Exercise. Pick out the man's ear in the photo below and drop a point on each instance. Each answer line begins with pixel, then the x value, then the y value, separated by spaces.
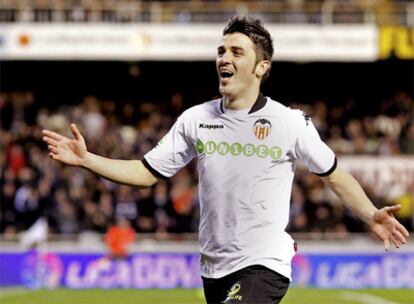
pixel 262 67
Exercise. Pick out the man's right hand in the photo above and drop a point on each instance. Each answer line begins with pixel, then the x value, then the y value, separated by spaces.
pixel 68 151
pixel 73 152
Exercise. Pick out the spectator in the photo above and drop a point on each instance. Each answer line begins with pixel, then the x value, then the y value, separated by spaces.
pixel 119 238
pixel 31 185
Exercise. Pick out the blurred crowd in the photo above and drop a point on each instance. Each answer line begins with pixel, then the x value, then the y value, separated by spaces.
pixel 184 11
pixel 74 200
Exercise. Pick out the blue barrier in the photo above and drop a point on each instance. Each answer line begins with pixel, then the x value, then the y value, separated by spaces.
pixel 172 270
pixel 389 270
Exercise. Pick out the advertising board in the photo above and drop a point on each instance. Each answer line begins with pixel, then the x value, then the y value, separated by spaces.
pixel 173 270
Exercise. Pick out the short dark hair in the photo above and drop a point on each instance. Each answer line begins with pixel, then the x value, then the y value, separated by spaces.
pixel 253 28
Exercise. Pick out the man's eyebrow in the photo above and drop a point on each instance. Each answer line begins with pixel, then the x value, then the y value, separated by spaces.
pixel 233 48
pixel 237 48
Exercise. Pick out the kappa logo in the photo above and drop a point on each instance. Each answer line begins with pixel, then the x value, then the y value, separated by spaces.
pixel 262 128
pixel 233 293
pixel 206 126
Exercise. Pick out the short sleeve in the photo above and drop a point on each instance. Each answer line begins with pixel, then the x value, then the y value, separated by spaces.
pixel 310 148
pixel 173 152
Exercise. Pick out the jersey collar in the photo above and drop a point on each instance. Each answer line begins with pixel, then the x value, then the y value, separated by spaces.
pixel 258 104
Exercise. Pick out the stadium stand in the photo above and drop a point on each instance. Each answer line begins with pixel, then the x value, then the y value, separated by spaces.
pixel 397 12
pixel 32 185
pixel 101 64
pixel 74 200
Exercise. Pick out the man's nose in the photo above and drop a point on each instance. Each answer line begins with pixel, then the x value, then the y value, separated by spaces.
pixel 224 58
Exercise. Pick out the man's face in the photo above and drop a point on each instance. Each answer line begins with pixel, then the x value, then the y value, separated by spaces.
pixel 235 63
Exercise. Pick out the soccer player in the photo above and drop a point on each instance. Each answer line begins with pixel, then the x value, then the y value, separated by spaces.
pixel 247 146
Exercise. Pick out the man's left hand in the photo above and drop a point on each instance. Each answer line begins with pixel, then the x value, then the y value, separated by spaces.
pixel 387 228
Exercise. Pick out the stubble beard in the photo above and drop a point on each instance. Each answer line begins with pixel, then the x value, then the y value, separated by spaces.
pixel 225 91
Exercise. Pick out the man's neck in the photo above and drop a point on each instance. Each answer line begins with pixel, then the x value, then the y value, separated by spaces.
pixel 242 102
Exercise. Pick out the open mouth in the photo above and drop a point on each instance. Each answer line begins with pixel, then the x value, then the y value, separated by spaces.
pixel 226 74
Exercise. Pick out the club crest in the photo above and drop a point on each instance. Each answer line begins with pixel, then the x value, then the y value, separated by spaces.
pixel 262 128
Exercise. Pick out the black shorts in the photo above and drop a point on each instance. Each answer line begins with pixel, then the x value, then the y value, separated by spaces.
pixel 254 284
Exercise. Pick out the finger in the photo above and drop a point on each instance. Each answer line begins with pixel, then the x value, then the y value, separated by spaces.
pixel 53 156
pixel 75 131
pixel 395 241
pixel 387 244
pixel 393 209
pixel 403 230
pixel 398 235
pixel 53 149
pixel 52 134
pixel 50 141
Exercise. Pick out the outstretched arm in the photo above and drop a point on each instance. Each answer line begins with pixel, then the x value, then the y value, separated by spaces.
pixel 382 222
pixel 74 152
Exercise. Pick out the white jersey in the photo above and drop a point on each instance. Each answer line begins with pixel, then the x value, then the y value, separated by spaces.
pixel 246 163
